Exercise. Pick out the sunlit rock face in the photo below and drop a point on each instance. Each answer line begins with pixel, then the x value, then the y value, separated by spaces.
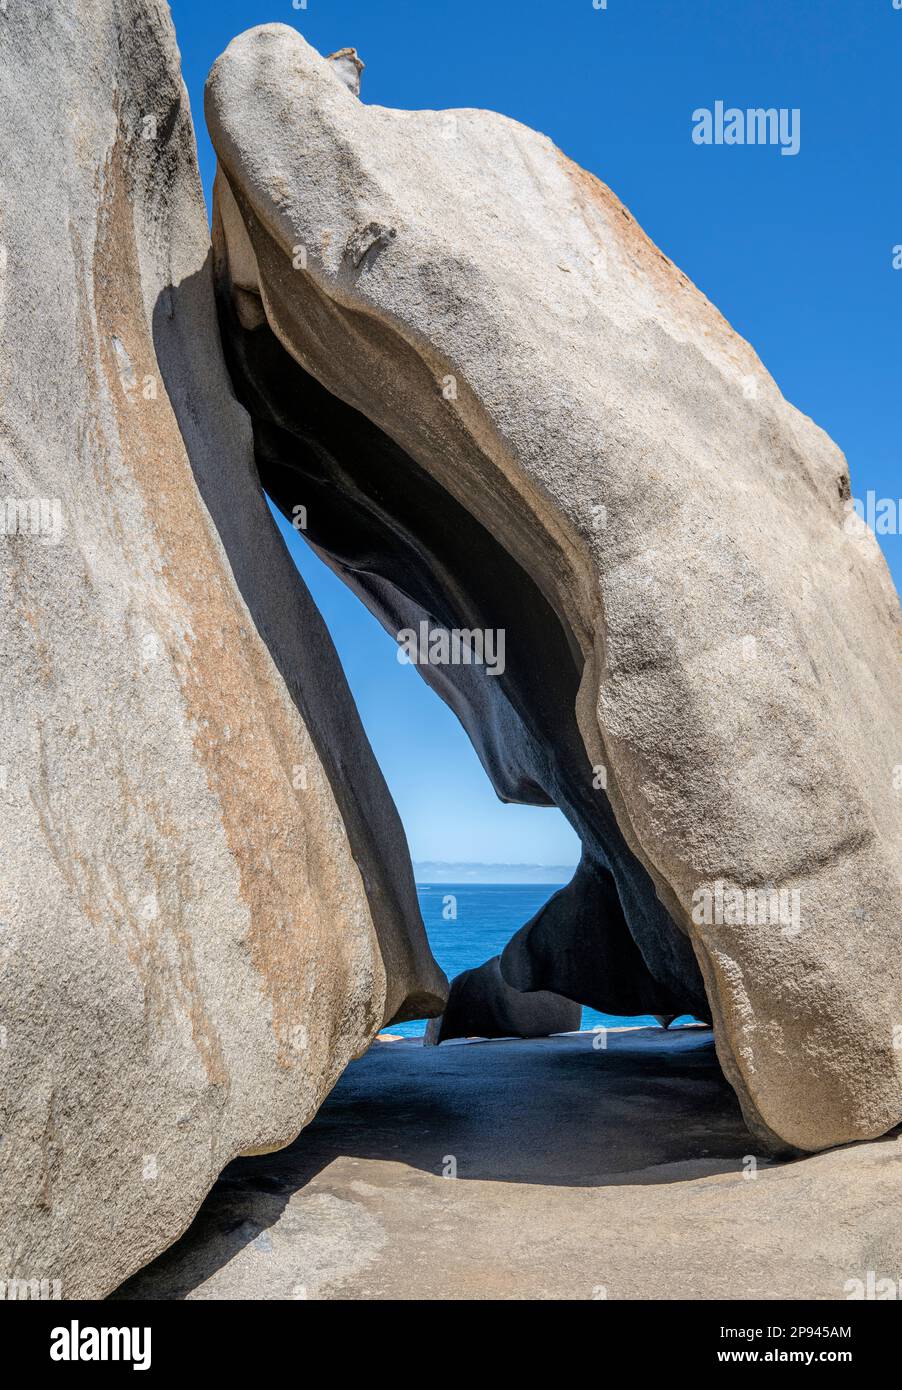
pixel 505 409
pixel 206 906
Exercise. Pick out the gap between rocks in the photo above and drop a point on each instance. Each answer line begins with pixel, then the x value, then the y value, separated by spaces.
pixel 414 554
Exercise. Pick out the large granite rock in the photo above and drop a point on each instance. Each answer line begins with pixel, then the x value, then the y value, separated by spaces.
pixel 505 409
pixel 206 905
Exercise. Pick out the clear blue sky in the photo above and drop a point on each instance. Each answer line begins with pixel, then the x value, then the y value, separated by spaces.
pixel 796 252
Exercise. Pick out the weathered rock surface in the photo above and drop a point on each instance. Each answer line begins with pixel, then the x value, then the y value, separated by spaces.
pixel 578 1172
pixel 482 1004
pixel 206 904
pixel 506 409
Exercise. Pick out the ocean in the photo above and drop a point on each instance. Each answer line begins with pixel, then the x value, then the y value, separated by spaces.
pixel 487 915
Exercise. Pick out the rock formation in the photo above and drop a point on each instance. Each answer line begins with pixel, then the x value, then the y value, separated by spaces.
pixel 510 424
pixel 206 905
pixel 482 1004
pixel 506 411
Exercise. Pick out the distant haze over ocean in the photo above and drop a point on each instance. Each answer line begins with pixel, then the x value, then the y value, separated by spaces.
pixel 438 871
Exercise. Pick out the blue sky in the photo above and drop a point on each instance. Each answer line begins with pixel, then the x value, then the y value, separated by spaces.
pixel 797 252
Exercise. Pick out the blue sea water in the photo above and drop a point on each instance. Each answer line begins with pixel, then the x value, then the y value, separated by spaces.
pixel 487 915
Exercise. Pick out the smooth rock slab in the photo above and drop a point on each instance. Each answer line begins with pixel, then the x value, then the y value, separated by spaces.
pixel 579 1170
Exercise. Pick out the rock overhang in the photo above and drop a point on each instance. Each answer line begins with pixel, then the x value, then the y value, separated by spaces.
pixel 518 342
